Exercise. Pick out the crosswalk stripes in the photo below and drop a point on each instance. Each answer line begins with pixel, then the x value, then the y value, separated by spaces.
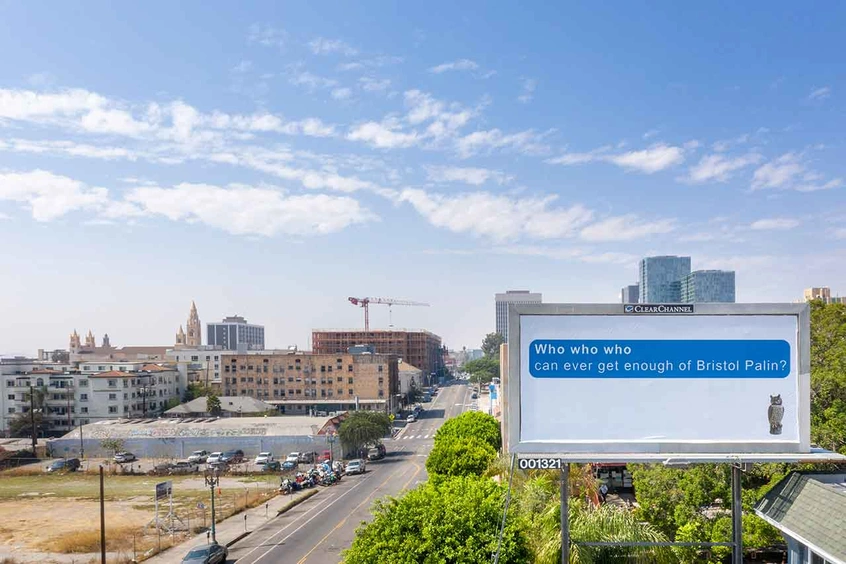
pixel 416 437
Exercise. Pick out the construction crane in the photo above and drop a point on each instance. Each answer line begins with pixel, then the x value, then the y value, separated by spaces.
pixel 365 303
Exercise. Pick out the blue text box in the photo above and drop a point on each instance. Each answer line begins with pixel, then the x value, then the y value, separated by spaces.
pixel 577 358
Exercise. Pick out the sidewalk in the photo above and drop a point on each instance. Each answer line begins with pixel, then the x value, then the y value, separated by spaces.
pixel 232 529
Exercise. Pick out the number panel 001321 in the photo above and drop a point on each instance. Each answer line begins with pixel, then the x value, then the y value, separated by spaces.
pixel 540 463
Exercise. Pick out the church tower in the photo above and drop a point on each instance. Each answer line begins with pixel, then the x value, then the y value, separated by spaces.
pixel 193 335
pixel 75 343
pixel 89 340
pixel 180 337
pixel 106 343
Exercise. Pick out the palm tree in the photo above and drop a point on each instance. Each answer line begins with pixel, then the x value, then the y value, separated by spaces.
pixel 604 523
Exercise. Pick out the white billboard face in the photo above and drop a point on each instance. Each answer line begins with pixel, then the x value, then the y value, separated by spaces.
pixel 662 383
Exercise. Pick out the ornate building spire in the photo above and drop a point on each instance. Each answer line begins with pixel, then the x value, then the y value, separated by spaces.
pixel 74 341
pixel 193 335
pixel 89 340
pixel 106 343
pixel 180 337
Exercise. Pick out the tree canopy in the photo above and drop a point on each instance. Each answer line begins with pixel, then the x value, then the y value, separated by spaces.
pixel 454 520
pixel 490 344
pixel 213 404
pixel 483 369
pixel 361 428
pixel 464 456
pixel 471 424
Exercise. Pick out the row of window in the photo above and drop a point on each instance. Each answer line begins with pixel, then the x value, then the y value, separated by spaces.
pixel 305 393
pixel 39 382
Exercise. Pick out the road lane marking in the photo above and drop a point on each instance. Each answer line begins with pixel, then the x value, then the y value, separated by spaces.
pixel 344 520
pixel 280 531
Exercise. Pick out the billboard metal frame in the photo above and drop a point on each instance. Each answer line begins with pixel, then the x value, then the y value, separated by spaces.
pixel 654 451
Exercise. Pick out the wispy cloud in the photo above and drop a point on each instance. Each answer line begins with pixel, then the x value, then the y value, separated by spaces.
pixel 384 135
pixel 311 81
pixel 370 84
pixel 775 224
pixel 650 134
pixel 468 175
pixel 626 228
pixel 719 167
pixel 371 63
pixel 789 172
pixel 820 93
pixel 527 142
pixel 342 93
pixel 653 159
pixel 323 46
pixel 528 92
pixel 267 36
pixel 459 65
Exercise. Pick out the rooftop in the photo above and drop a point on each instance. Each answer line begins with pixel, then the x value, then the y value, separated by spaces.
pixel 232 404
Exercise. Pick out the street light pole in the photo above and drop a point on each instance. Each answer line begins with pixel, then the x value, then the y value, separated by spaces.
pixel 212 478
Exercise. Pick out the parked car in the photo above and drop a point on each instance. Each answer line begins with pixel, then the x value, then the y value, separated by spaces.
pixel 124 457
pixel 199 457
pixel 184 467
pixel 66 465
pixel 306 457
pixel 289 465
pixel 162 469
pixel 376 453
pixel 474 395
pixel 264 458
pixel 207 554
pixel 272 466
pixel 356 466
pixel 411 418
pixel 294 458
pixel 213 458
pixel 232 457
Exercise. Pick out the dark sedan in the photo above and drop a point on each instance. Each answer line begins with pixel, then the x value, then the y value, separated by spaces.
pixel 208 554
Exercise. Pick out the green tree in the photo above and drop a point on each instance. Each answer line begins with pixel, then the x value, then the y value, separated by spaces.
pixel 171 403
pixel 362 428
pixel 471 424
pixel 482 370
pixel 213 404
pixel 21 424
pixel 491 343
pixel 112 445
pixel 828 375
pixel 452 521
pixel 459 457
pixel 195 390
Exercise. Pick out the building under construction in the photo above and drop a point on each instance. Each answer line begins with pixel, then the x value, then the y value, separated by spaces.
pixel 414 346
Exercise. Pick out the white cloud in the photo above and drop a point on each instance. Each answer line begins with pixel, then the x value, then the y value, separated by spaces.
pixel 498 217
pixel 382 135
pixel 473 176
pixel 811 187
pixel 342 93
pixel 651 160
pixel 67 148
pixel 820 93
pixel 312 127
pixel 719 168
pixel 654 159
pixel 323 46
pixel 30 105
pixel 266 35
pixel 246 210
pixel 529 85
pixel 459 65
pixel 775 224
pixel 311 81
pixel 651 133
pixel 372 63
pixel 625 228
pixel 50 196
pixel 370 84
pixel 527 142
pixel 779 173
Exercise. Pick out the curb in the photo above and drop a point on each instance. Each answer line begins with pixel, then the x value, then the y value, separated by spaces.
pixel 236 539
pixel 293 503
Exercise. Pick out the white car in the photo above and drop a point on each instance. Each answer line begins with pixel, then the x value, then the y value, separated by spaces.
pixel 356 466
pixel 411 418
pixel 293 457
pixel 264 458
pixel 214 458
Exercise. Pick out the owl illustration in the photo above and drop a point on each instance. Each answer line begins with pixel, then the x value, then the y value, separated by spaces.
pixel 775 413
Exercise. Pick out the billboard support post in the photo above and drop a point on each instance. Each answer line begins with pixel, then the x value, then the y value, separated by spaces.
pixel 565 514
pixel 736 516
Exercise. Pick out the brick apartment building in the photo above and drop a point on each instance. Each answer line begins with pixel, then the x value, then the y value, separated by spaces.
pixel 309 383
pixel 416 347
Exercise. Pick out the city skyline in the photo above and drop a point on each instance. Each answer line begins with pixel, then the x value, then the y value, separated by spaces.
pixel 273 161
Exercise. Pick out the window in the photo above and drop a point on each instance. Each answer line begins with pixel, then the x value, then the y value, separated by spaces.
pixel 340 392
pixel 275 380
pixel 290 367
pixel 328 369
pixel 350 391
pixel 10 383
pixel 11 397
pixel 349 368
pixel 126 383
pixel 276 393
pixel 323 393
pixel 381 393
pixel 83 383
pixel 125 396
pixel 290 378
pixel 83 410
pixel 195 358
pixel 11 410
pixel 112 383
pixel 112 396
pixel 350 380
pixel 290 392
pixel 322 368
pixel 112 409
pixel 381 366
pixel 299 392
pixel 339 360
pixel 381 381
pixel 83 397
pixel 250 367
pixel 226 368
pixel 101 368
pixel 329 393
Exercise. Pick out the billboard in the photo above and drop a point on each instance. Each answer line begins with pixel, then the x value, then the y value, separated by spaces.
pixel 656 378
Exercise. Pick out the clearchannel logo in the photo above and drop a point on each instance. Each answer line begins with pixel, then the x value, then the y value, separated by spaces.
pixel 653 309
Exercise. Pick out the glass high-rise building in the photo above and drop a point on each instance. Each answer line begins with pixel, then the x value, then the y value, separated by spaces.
pixel 630 294
pixel 661 279
pixel 234 333
pixel 512 297
pixel 708 286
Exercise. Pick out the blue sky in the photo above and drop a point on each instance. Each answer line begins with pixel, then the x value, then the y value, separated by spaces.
pixel 272 160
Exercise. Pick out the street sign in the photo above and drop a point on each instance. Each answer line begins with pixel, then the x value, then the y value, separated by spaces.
pixel 717 379
pixel 164 489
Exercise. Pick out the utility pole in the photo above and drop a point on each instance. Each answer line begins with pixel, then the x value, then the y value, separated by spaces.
pixel 212 478
pixel 32 421
pixel 81 443
pixel 102 520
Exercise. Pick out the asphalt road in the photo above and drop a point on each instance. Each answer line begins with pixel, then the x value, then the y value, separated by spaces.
pixel 316 531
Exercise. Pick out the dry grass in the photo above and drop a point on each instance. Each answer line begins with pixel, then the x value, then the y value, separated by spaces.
pixel 85 541
pixel 29 470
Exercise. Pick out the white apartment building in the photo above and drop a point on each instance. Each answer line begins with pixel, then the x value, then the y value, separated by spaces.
pixel 88 392
pixel 202 361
